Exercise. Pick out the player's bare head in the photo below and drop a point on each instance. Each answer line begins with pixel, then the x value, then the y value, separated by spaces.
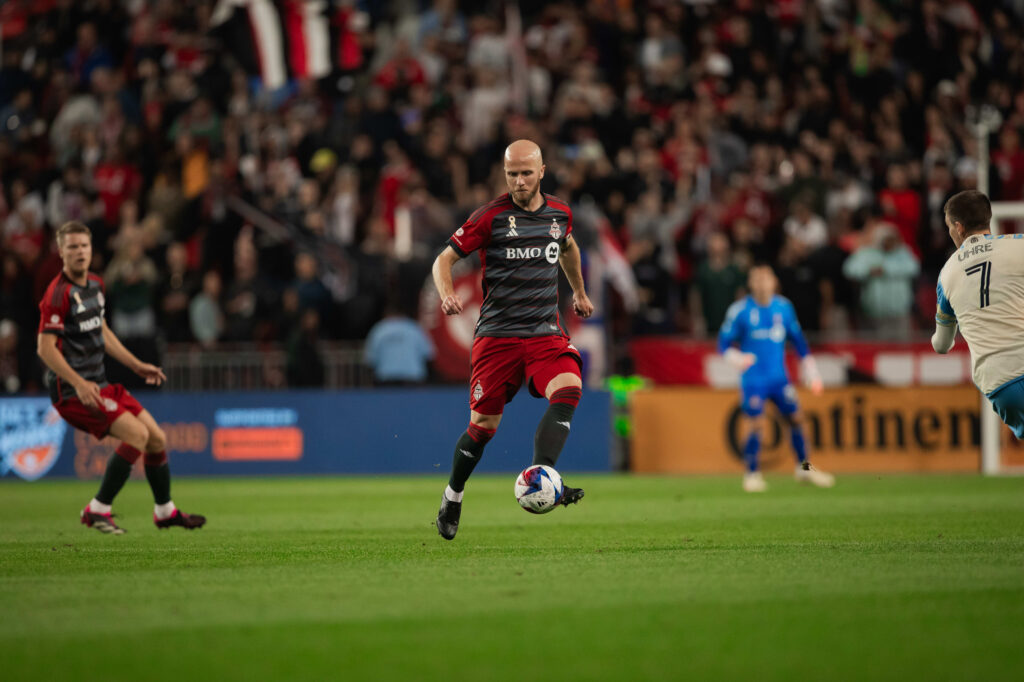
pixel 524 168
pixel 523 151
pixel 74 240
pixel 761 281
pixel 72 227
pixel 967 212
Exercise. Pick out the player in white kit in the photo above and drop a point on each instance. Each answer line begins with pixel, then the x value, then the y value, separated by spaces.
pixel 981 289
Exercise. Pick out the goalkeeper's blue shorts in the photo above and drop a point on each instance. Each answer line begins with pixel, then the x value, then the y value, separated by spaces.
pixel 782 394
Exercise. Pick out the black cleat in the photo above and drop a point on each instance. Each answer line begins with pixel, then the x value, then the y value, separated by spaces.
pixel 104 523
pixel 448 518
pixel 570 495
pixel 180 518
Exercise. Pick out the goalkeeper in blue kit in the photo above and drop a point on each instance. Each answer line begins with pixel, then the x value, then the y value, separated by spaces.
pixel 760 325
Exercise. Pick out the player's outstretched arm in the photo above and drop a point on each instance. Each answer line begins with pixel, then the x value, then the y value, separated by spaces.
pixel 151 373
pixel 572 266
pixel 451 304
pixel 88 391
pixel 944 338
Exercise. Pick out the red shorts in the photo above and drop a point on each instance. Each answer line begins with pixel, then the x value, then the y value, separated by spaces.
pixel 114 400
pixel 501 364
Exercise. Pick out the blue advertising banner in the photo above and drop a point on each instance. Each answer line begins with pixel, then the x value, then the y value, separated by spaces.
pixel 379 431
pixel 32 437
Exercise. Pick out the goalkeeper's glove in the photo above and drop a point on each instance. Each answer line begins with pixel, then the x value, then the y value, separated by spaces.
pixel 811 376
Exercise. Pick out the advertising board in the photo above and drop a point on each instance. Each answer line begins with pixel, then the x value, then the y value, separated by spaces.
pixel 870 429
pixel 380 431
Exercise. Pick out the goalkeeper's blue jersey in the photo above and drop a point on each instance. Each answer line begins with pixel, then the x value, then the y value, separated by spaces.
pixel 763 331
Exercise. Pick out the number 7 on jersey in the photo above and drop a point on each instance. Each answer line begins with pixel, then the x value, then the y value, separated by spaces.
pixel 986 276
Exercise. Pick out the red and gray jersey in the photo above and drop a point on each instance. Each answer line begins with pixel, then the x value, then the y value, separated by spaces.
pixel 75 315
pixel 519 252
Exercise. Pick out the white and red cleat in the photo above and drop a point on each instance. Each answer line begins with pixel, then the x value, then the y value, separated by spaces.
pixel 180 518
pixel 104 523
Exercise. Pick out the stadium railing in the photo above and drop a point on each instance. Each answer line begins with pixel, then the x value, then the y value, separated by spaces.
pixel 250 366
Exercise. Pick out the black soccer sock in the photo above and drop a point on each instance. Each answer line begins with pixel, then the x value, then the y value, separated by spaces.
pixel 114 478
pixel 468 450
pixel 158 474
pixel 553 429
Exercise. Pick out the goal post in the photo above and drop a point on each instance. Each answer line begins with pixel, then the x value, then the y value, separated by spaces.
pixel 983 121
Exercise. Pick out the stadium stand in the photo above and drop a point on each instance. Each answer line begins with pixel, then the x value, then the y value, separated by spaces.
pixel 365 133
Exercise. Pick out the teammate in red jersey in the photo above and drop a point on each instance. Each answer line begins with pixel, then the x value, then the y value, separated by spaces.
pixel 73 339
pixel 523 237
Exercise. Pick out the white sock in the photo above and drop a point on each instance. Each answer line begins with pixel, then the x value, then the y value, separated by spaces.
pixel 451 495
pixel 164 511
pixel 97 507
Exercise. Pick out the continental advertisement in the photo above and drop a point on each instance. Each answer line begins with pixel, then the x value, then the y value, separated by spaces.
pixel 870 429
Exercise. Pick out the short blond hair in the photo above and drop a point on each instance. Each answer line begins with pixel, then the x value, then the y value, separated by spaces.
pixel 72 227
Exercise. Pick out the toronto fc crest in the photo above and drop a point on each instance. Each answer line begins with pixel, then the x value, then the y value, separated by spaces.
pixel 478 391
pixel 555 230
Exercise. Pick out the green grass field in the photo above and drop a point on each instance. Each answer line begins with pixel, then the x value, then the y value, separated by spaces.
pixel 881 578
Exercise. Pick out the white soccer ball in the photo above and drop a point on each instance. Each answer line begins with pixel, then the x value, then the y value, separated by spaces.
pixel 539 489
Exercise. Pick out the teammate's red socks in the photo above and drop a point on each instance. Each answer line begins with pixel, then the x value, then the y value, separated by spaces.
pixel 130 454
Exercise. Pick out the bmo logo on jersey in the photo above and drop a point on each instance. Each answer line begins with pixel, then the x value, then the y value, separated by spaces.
pixel 550 252
pixel 90 324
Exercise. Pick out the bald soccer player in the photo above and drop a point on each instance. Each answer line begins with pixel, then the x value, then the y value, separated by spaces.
pixel 523 237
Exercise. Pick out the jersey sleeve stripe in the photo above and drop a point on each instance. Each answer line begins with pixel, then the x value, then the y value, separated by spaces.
pixel 484 219
pixel 557 203
pixel 477 214
pixel 57 300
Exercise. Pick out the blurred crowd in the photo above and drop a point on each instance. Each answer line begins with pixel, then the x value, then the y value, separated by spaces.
pixel 692 137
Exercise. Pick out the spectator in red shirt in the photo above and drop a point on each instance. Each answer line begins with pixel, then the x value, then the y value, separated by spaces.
pixel 401 71
pixel 902 206
pixel 1009 161
pixel 115 180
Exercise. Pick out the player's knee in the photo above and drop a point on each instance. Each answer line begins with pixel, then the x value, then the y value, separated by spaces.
pixel 563 381
pixel 157 441
pixel 136 435
pixel 485 421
